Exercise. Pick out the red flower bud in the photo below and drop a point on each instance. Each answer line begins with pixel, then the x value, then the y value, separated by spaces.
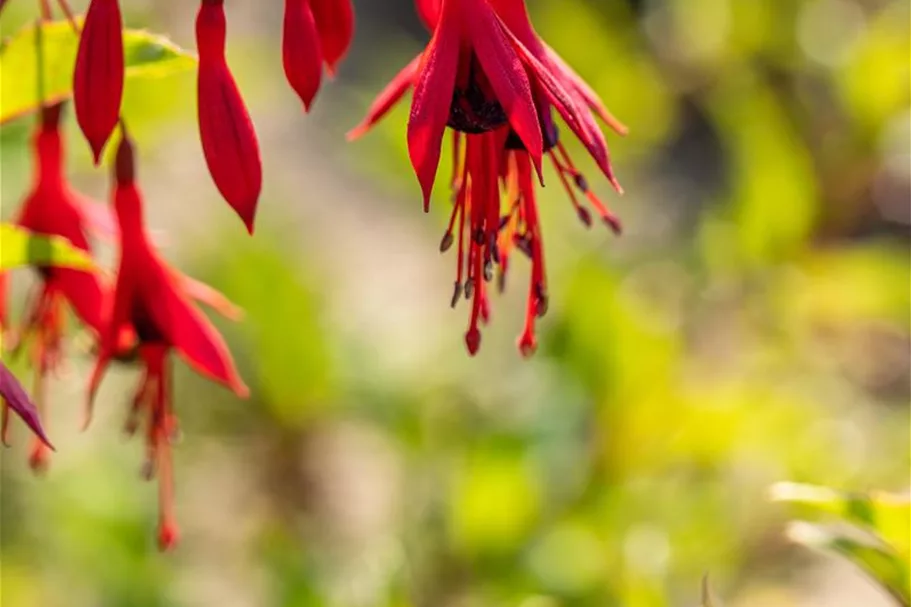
pixel 98 77
pixel 225 128
pixel 302 56
pixel 315 32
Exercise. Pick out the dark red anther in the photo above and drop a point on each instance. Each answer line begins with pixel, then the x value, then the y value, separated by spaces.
pixel 447 242
pixel 225 128
pixel 99 73
pixel 456 294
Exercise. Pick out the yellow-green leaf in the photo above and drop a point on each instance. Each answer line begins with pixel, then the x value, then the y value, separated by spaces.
pixel 19 247
pixel 146 56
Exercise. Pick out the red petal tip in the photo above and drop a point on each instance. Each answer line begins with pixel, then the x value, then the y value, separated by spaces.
pixel 357 132
pixel 168 537
pixel 528 345
pixel 473 341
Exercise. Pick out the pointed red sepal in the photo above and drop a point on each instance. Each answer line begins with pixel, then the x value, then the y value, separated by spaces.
pixel 387 99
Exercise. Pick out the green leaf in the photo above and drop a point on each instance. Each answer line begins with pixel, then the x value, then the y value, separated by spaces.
pixel 146 56
pixel 19 247
pixel 877 561
pixel 884 514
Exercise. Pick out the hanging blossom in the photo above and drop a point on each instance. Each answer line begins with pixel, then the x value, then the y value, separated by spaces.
pixel 153 302
pixel 53 208
pixel 99 74
pixel 488 77
pixel 314 33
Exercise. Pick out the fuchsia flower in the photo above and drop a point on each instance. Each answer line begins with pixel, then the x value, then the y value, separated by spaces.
pixel 488 77
pixel 154 301
pixel 53 208
pixel 225 128
pixel 98 77
pixel 315 32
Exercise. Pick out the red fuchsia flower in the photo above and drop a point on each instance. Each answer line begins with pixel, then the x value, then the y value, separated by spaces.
pixel 488 77
pixel 225 128
pixel 151 300
pixel 316 32
pixel 99 73
pixel 15 397
pixel 53 208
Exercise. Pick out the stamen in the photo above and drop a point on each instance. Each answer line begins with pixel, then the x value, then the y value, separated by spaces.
pixel 581 211
pixel 456 294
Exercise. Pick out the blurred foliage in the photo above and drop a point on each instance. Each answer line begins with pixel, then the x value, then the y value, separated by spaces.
pixel 751 326
pixel 145 56
pixel 876 537
pixel 23 248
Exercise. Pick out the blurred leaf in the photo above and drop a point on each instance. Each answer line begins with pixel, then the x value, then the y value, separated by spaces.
pixel 146 56
pixel 774 188
pixel 880 563
pixel 707 596
pixel 284 323
pixel 19 247
pixel 889 516
pixel 495 500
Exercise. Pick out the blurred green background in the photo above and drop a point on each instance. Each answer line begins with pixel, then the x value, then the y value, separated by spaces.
pixel 751 326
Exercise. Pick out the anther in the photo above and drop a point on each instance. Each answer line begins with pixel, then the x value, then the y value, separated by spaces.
pixel 447 241
pixel 581 182
pixel 584 216
pixel 469 288
pixel 488 270
pixel 456 294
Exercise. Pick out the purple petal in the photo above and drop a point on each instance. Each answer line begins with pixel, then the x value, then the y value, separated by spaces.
pixel 18 400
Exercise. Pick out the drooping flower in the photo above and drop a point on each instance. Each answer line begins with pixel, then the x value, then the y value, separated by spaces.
pixel 225 128
pixel 14 396
pixel 53 208
pixel 152 301
pixel 488 77
pixel 315 32
pixel 98 77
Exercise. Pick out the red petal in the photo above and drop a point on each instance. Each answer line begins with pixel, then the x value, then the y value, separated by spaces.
pixel 335 24
pixel 205 294
pixel 86 292
pixel 578 119
pixel 391 95
pixel 590 97
pixel 429 11
pixel 432 100
pixel 185 328
pixel 15 396
pixel 228 138
pixel 98 77
pixel 507 76
pixel 95 216
pixel 302 56
pixel 229 141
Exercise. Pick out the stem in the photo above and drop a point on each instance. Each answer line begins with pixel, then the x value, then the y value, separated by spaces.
pixel 39 59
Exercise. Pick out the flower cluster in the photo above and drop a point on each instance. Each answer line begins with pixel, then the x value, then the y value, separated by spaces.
pixel 486 78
